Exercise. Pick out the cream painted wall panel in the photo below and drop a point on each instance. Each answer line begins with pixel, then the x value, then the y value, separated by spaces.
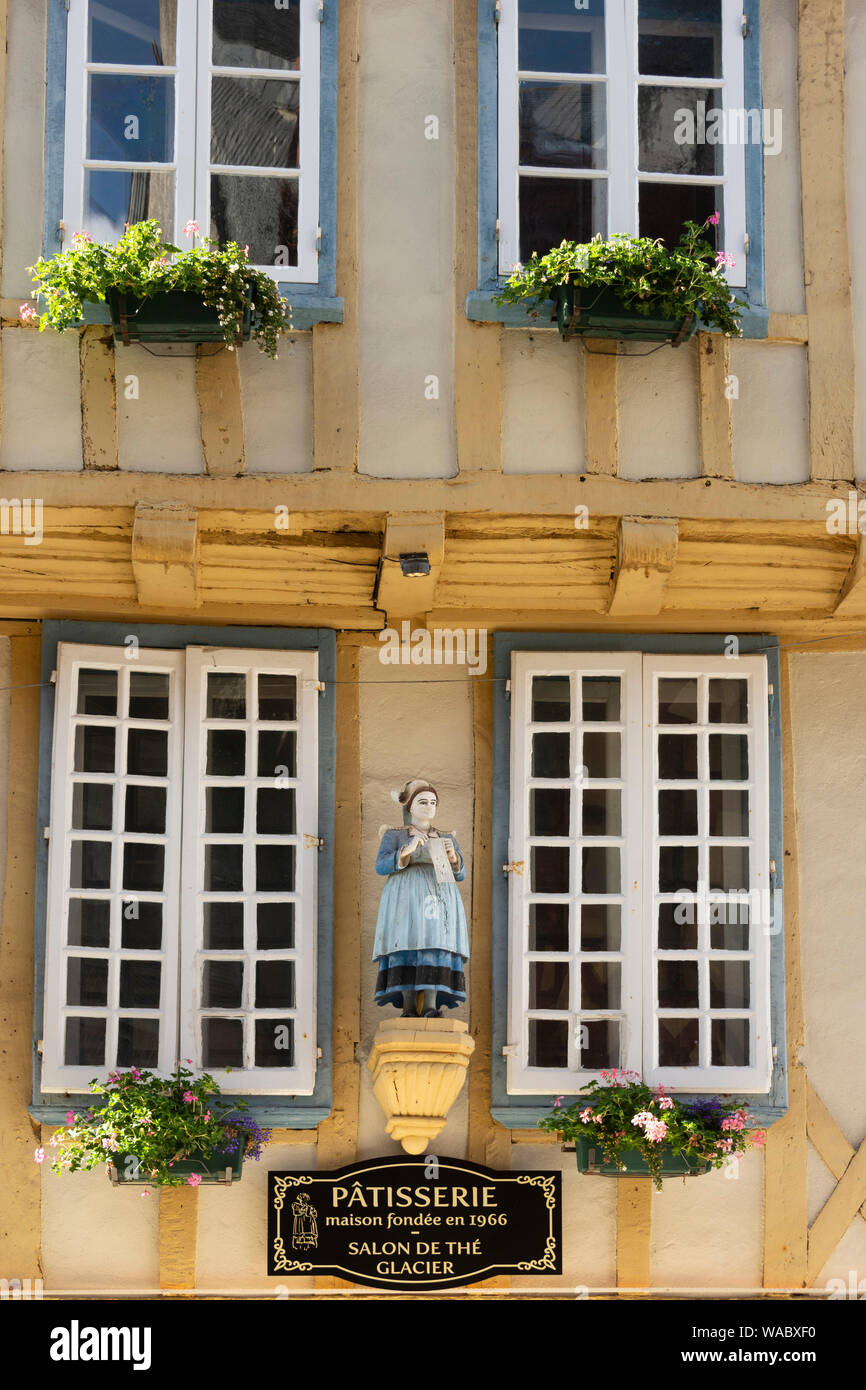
pixel 233 1225
pixel 855 67
pixel 847 1266
pixel 783 223
pixel 24 144
pixel 41 401
pixel 543 394
pixel 588 1223
pixel 95 1236
pixel 160 432
pixel 707 1232
pixel 409 728
pixel 771 413
pixel 658 412
pixel 829 724
pixel 277 402
pixel 406 240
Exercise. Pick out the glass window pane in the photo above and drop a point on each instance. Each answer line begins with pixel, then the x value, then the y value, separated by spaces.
pixel 222 1041
pixel 277 754
pixel 678 701
pixel 602 811
pixel 275 926
pixel 551 698
pixel 94 749
pixel 148 695
pixel 562 125
pixel 678 926
pixel 222 984
pixel 729 925
pixel 143 867
pixel 113 197
pixel 226 695
pixel 671 133
pixel 223 926
pixel 258 212
pixel 275 811
pixel 729 984
pixel 226 752
pixel 729 757
pixel 548 927
pixel 548 1042
pixel 663 208
pixel 223 868
pixel 601 755
pixel 256 34
pixel 275 984
pixel 87 981
pixel 275 1042
pixel 147 753
pixel 549 811
pixel 552 37
pixel 97 692
pixel 131 119
pixel 678 1042
pixel 601 869
pixel 278 697
pixel 678 984
pixel 89 922
pixel 729 868
pixel 600 984
pixel 85 1042
pixel 601 699
pixel 729 1042
pixel 678 812
pixel 678 868
pixel 138 1042
pixel 678 757
pixel 139 984
pixel 134 32
pixel 729 813
pixel 275 868
pixel 555 210
pixel 729 702
pixel 141 926
pixel 92 806
pixel 600 927
pixel 551 755
pixel 145 809
pixel 548 868
pixel 90 864
pixel 680 41
pixel 599 1044
pixel 224 810
pixel 548 984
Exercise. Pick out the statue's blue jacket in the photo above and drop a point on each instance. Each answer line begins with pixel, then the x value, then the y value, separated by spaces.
pixel 392 843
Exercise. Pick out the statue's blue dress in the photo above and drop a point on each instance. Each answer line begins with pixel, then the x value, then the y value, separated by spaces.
pixel 421 937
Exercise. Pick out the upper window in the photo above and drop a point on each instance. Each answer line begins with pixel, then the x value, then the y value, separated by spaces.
pixel 182 875
pixel 621 116
pixel 203 110
pixel 639 894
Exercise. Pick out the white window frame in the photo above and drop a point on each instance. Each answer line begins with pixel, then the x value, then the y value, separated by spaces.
pixel 622 80
pixel 180 953
pixel 639 843
pixel 192 165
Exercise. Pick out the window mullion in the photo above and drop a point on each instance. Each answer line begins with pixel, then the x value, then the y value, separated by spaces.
pixel 621 22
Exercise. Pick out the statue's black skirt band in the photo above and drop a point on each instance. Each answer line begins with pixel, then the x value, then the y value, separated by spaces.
pixel 430 969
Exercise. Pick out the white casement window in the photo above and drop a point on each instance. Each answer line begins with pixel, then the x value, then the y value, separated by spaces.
pixel 182 866
pixel 202 110
pixel 621 116
pixel 640 914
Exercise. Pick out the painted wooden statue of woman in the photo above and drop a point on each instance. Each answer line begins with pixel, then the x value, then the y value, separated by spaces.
pixel 422 944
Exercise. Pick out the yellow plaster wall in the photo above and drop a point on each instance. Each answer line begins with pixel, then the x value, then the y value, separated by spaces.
pixel 855 62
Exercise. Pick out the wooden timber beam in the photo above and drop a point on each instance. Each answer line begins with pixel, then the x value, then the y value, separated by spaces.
pixel 165 554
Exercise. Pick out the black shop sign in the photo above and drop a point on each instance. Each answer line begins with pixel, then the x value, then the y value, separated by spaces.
pixel 415 1223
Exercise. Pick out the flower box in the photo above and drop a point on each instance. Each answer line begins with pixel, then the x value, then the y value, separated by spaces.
pixel 172 316
pixel 601 314
pixel 591 1160
pixel 222 1168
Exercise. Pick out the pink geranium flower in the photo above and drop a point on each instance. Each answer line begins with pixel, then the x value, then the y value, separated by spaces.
pixel 39 1155
pixel 191 228
pixel 188 1097
pixel 713 219
pixel 70 1117
pixel 759 1137
pixel 194 1179
pixel 725 258
pixel 27 313
pixel 557 1104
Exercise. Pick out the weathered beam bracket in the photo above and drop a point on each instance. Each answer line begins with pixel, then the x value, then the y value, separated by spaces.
pixel 408 596
pixel 165 554
pixel 646 552
pixel 852 595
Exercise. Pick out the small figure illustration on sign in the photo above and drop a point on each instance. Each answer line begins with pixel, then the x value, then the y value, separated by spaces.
pixel 305 1226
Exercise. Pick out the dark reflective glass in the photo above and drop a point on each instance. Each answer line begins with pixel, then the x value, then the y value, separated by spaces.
pixel 729 1042
pixel 278 697
pixel 138 1042
pixel 222 1042
pixel 87 981
pixel 548 1042
pixel 224 926
pixel 97 692
pixel 84 1042
pixel 143 867
pixel 259 212
pixel 548 927
pixel 145 810
pixel 600 984
pixel 600 1044
pixel 551 699
pixel 141 925
pixel 224 810
pixel 222 984
pixel 678 868
pixel 256 34
pixel 148 695
pixel 548 984
pixel 275 926
pixel 92 806
pixel 555 210
pixel 600 926
pixel 550 755
pixel 548 868
pixel 678 984
pixel 275 868
pixel 89 922
pixel 139 984
pixel 678 812
pixel 678 1042
pixel 275 984
pixel 147 753
pixel 224 868
pixel 275 1042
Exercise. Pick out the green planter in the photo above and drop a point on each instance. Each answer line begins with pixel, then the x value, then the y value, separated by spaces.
pixel 173 316
pixel 600 314
pixel 591 1160
pixel 223 1168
